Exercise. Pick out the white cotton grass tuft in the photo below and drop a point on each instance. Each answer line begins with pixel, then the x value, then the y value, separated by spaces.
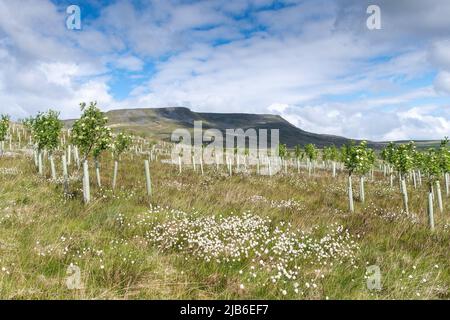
pixel 266 248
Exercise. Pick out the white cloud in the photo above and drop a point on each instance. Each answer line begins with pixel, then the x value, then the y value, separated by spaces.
pixel 130 63
pixel 313 62
pixel 278 107
pixel 442 82
pixel 417 122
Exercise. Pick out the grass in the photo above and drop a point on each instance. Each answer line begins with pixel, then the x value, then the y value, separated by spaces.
pixel 42 233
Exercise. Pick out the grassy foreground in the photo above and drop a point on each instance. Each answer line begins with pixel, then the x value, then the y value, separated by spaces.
pixel 215 237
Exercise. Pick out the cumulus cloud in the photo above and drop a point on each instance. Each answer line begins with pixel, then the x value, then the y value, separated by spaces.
pixel 442 82
pixel 130 63
pixel 314 62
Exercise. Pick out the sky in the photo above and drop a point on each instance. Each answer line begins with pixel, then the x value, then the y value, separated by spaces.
pixel 314 62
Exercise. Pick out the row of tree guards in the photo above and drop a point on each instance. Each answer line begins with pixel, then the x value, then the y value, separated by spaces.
pixel 90 137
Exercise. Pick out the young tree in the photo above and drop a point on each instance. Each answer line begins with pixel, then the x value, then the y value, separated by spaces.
pixel 326 154
pixel 432 171
pixel 299 155
pixel 366 160
pixel 282 153
pixel 311 153
pixel 121 143
pixel 331 154
pixel 357 159
pixel 403 161
pixel 444 162
pixel 298 152
pixel 387 155
pixel 46 131
pixel 4 128
pixel 102 145
pixel 89 133
pixel 28 124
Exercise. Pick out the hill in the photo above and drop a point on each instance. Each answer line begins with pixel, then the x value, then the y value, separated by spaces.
pixel 161 122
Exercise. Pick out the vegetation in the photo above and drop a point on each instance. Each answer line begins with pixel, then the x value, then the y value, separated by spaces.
pixel 119 146
pixel 90 133
pixel 4 127
pixel 288 235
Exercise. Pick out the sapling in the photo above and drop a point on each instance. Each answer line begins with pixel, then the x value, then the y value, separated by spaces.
pixel 418 164
pixel 443 159
pixel 311 153
pixel 331 154
pixel 4 127
pixel 444 163
pixel 46 131
pixel 121 143
pixel 432 171
pixel 87 134
pixel 387 155
pixel 282 153
pixel 103 144
pixel 298 156
pixel 356 159
pixel 326 155
pixel 366 162
pixel 403 161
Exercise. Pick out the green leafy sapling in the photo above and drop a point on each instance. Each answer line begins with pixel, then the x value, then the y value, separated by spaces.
pixel 298 152
pixel 432 172
pixel 331 154
pixel 299 155
pixel 121 143
pixel 90 133
pixel 46 131
pixel 358 159
pixel 402 159
pixel 4 128
pixel 366 162
pixel 387 155
pixel 282 151
pixel 444 162
pixel 311 153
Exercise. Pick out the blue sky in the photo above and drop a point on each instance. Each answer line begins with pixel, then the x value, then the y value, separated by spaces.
pixel 314 62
